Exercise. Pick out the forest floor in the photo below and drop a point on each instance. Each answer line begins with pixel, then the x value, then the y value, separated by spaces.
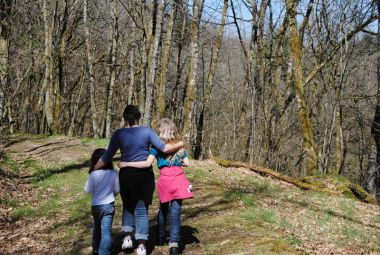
pixel 44 210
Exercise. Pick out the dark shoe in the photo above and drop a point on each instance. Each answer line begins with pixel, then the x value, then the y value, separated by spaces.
pixel 161 241
pixel 173 251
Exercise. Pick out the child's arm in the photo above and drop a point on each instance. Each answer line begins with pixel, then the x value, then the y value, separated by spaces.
pixel 138 164
pixel 183 157
pixel 89 187
pixel 186 162
pixel 116 185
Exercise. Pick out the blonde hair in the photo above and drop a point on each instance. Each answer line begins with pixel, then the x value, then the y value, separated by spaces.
pixel 168 131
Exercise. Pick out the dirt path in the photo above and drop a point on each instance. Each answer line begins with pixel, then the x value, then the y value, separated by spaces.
pixel 44 211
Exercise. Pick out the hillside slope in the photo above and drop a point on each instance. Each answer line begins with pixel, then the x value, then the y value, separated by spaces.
pixel 235 211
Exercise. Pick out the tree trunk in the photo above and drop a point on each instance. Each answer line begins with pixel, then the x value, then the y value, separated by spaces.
pixel 112 66
pixel 61 62
pixel 165 61
pixel 75 110
pixel 308 138
pixel 193 76
pixel 5 14
pixel 47 86
pixel 153 66
pixel 210 80
pixel 373 180
pixel 90 71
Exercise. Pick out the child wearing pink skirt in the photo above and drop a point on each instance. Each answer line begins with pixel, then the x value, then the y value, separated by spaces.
pixel 172 185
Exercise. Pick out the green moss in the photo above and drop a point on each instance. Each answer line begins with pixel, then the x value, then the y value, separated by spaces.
pixel 222 162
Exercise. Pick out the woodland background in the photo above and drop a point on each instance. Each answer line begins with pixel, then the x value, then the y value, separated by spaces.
pixel 290 85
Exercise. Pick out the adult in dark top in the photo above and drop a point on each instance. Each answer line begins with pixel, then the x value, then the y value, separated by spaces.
pixel 136 184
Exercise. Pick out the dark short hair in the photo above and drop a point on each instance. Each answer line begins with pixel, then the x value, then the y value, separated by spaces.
pixel 96 155
pixel 131 115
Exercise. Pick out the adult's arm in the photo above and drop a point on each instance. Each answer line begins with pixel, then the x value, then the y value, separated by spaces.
pixel 173 147
pixel 161 146
pixel 113 146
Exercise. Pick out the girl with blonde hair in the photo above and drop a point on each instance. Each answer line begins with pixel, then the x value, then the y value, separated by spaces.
pixel 172 185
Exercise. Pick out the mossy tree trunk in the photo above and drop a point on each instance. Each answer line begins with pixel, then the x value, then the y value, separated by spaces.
pixel 303 112
pixel 193 66
pixel 165 60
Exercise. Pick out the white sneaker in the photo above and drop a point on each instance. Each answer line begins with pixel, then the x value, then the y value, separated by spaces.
pixel 141 250
pixel 127 243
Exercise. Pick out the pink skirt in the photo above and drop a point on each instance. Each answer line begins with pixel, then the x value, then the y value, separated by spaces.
pixel 173 184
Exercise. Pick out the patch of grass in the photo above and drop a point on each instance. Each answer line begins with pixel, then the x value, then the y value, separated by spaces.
pixel 8 202
pixel 22 213
pixel 209 248
pixel 10 163
pixel 280 245
pixel 247 199
pixel 259 214
pixel 292 240
pixel 285 224
pixel 100 143
pixel 303 203
pixel 354 233
pixel 198 173
pixel 30 163
pixel 325 219
pixel 348 208
pixel 48 208
pixel 267 216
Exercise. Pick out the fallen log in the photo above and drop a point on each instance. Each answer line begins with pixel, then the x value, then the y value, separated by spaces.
pixel 356 190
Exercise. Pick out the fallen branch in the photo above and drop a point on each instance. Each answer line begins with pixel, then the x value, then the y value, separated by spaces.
pixel 356 190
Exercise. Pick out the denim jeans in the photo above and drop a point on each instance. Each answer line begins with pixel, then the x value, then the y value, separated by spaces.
pixel 142 221
pixel 175 219
pixel 101 235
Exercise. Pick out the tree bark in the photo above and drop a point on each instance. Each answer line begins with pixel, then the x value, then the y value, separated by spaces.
pixel 193 76
pixel 153 66
pixel 90 71
pixel 210 80
pixel 165 60
pixel 373 180
pixel 112 67
pixel 47 86
pixel 5 15
pixel 307 132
